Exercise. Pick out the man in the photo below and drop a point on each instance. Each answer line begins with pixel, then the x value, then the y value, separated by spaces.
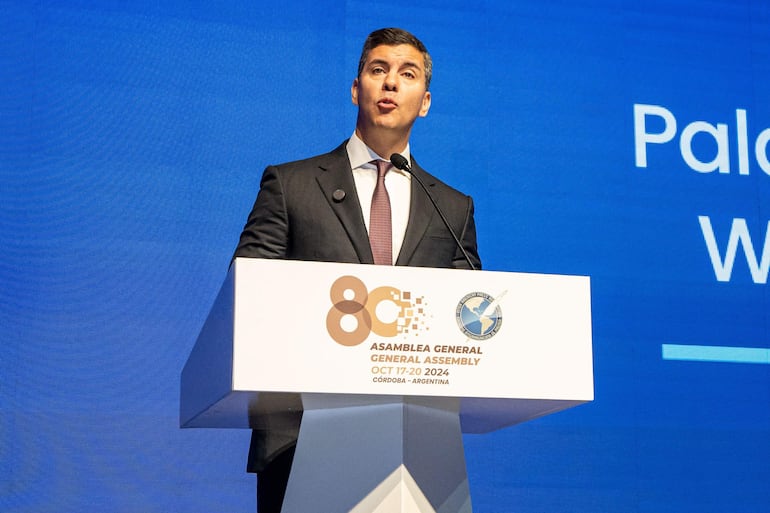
pixel 350 206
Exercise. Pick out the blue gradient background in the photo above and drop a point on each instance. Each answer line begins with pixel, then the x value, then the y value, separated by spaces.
pixel 132 139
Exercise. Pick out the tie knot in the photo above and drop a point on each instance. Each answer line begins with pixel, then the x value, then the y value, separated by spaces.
pixel 383 166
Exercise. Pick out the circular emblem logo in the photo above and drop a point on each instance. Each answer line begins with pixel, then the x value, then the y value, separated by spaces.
pixel 478 316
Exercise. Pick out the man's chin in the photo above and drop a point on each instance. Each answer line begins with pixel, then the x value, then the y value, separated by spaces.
pixel 390 124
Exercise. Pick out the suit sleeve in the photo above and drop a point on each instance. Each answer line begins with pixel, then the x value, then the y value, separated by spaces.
pixel 266 233
pixel 468 241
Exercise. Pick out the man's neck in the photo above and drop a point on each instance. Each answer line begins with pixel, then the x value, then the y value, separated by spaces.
pixel 383 142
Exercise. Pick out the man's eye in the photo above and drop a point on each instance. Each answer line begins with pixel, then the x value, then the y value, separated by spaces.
pixel 409 74
pixel 378 70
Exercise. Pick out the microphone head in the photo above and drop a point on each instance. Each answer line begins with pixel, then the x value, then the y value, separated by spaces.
pixel 400 162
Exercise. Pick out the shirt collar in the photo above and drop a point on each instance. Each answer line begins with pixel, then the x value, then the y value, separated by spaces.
pixel 361 155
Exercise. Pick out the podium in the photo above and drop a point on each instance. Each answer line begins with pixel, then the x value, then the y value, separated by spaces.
pixel 387 367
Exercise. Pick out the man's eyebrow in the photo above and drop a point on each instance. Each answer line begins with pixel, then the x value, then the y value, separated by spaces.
pixel 411 64
pixel 383 62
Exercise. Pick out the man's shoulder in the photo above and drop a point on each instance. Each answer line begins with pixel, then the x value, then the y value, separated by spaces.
pixel 324 160
pixel 437 185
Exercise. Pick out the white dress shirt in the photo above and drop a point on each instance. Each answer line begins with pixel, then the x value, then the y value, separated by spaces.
pixel 397 182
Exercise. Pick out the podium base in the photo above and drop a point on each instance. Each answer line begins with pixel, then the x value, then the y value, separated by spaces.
pixel 377 454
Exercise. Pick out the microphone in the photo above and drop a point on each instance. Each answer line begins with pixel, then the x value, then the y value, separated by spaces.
pixel 402 163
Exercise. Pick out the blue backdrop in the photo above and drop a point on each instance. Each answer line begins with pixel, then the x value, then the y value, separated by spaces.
pixel 622 140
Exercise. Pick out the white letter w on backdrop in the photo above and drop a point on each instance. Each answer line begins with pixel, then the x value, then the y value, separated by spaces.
pixel 739 232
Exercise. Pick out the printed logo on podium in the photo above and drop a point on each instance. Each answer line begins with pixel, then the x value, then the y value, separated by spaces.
pixel 385 311
pixel 479 315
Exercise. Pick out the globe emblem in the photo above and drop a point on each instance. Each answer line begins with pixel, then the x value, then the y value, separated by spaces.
pixel 478 317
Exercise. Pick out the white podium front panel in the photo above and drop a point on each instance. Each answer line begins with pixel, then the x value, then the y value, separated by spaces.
pixel 332 328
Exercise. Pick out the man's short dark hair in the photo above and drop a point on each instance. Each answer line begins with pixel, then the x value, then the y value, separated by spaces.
pixel 394 37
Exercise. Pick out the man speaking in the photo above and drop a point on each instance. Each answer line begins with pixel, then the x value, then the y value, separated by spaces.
pixel 353 206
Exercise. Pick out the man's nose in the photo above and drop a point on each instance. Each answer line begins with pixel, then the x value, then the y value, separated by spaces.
pixel 391 82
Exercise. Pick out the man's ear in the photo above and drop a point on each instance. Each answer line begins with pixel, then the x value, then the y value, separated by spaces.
pixel 425 107
pixel 354 92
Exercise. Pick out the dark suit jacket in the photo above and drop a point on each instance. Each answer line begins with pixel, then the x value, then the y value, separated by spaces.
pixel 297 217
pixel 299 214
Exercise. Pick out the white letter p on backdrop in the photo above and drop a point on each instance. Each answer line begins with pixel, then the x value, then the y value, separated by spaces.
pixel 642 136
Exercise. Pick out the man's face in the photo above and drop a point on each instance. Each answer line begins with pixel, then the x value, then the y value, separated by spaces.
pixel 390 92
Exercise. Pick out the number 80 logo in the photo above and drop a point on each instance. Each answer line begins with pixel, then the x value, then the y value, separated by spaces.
pixel 350 298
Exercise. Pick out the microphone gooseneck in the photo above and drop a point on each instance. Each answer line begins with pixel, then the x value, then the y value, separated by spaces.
pixel 402 163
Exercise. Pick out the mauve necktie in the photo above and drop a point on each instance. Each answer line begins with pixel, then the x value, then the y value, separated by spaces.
pixel 380 229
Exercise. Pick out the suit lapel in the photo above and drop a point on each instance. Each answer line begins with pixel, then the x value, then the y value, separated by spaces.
pixel 337 175
pixel 420 213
